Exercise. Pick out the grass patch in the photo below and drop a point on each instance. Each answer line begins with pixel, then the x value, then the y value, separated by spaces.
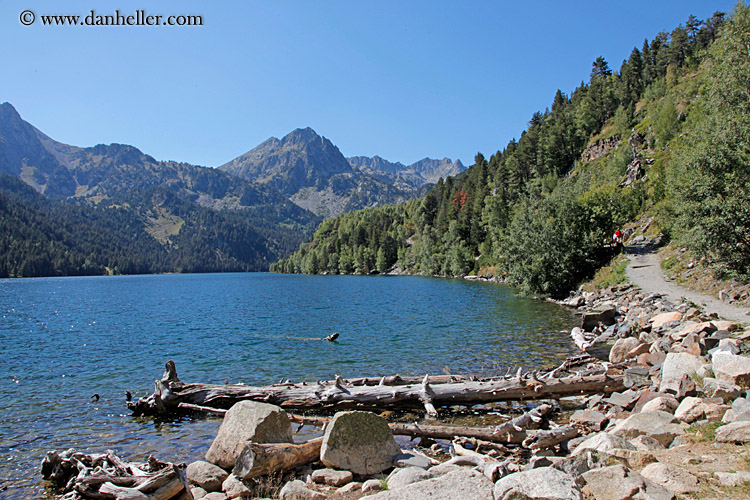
pixel 609 275
pixel 703 432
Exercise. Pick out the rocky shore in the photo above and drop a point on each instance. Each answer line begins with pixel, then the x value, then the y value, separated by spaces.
pixel 677 431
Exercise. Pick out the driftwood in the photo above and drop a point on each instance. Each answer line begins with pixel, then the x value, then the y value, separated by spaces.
pixel 261 459
pixel 169 392
pixel 550 438
pixel 105 476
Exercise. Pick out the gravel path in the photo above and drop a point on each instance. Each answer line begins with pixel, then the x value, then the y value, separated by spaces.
pixel 645 271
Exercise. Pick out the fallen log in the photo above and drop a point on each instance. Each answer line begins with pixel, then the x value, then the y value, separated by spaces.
pixel 169 392
pixel 104 475
pixel 262 459
pixel 549 438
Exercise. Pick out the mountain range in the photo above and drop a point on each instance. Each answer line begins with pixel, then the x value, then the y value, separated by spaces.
pixel 166 216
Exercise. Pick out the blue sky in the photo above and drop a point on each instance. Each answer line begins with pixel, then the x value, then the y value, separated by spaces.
pixel 404 80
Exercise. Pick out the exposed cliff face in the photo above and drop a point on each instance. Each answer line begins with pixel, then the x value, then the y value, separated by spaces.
pixel 600 148
pixel 425 171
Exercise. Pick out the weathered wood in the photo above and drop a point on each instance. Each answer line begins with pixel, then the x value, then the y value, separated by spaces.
pixel 170 392
pixel 262 459
pixel 549 438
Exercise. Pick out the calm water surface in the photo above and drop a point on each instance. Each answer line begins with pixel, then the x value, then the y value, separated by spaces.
pixel 63 339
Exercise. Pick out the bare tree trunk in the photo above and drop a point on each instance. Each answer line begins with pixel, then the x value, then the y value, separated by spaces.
pixel 261 459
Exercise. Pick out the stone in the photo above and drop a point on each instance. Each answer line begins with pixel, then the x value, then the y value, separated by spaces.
pixel 234 488
pixel 732 479
pixel 411 459
pixel 586 460
pixel 372 485
pixel 667 403
pixel 734 432
pixel 348 488
pixel 198 492
pixel 741 405
pixel 621 348
pixel 646 443
pixel 636 377
pixel 332 477
pixel 729 326
pixel 589 419
pixel 647 396
pixel 731 368
pixel 460 483
pixel 658 321
pixel 248 421
pixel 713 340
pixel 617 482
pixel 402 477
pixel 690 410
pixel 714 412
pixel 632 458
pixel 659 425
pixel 360 442
pixel 603 442
pixel 545 483
pixel 215 495
pixel 296 490
pixel 604 315
pixel 623 399
pixel 675 479
pixel 692 327
pixel 680 387
pixel 206 475
pixel 727 391
pixel 676 365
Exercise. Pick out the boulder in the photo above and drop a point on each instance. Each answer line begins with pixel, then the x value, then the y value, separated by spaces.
pixel 296 490
pixel 637 376
pixel 714 412
pixel 617 482
pixel 198 492
pixel 622 348
pixel 604 315
pixel 373 485
pixel 676 365
pixel 675 479
pixel 603 442
pixel 408 475
pixel 332 477
pixel 690 410
pixel 216 495
pixel 727 391
pixel 732 479
pixel 659 425
pixel 234 488
pixel 658 321
pixel 411 459
pixel 729 326
pixel 206 475
pixel 460 483
pixel 734 432
pixel 360 442
pixel 589 419
pixel 586 460
pixel 741 405
pixel 667 403
pixel 679 387
pixel 731 368
pixel 545 483
pixel 646 443
pixel 248 421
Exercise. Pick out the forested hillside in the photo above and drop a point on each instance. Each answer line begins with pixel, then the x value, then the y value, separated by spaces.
pixel 540 211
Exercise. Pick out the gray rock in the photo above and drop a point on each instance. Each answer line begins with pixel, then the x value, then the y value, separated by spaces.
pixel 590 419
pixel 741 405
pixel 372 485
pixel 731 368
pixel 360 442
pixel 617 482
pixel 680 387
pixel 637 377
pixel 296 490
pixel 410 459
pixel 690 410
pixel 623 399
pixel 678 364
pixel 675 479
pixel 402 477
pixel 603 442
pixel 666 403
pixel 732 478
pixel 604 315
pixel 622 347
pixel 206 475
pixel 659 425
pixel 348 488
pixel 461 483
pixel 234 488
pixel 545 483
pixel 332 477
pixel 198 492
pixel 216 495
pixel 586 460
pixel 245 422
pixel 713 340
pixel 713 388
pixel 646 443
pixel 734 432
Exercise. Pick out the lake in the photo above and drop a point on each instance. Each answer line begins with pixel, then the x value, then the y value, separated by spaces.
pixel 64 339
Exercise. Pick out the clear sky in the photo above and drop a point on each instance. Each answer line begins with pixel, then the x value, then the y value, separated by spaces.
pixel 401 79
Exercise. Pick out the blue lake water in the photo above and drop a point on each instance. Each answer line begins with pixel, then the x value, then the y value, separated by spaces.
pixel 63 339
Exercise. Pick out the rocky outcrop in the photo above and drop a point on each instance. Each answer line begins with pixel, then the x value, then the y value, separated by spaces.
pixel 600 148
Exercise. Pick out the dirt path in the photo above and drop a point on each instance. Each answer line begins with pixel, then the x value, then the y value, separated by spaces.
pixel 645 271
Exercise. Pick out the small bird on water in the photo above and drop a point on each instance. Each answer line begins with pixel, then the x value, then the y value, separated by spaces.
pixel 95 397
pixel 128 396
